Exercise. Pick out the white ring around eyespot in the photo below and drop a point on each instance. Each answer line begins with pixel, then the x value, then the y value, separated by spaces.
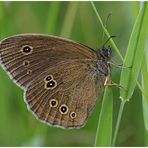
pixel 26 46
pixel 50 88
pixel 50 103
pixel 48 76
pixel 64 105
pixel 72 116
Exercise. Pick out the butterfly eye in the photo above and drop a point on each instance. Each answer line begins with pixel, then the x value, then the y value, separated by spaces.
pixel 51 84
pixel 48 78
pixel 73 115
pixel 63 109
pixel 26 49
pixel 53 103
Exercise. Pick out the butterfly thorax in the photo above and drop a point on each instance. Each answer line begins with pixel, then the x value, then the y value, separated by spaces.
pixel 103 67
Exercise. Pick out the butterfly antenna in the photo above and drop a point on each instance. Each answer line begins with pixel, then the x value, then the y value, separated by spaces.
pixel 106 23
pixel 108 40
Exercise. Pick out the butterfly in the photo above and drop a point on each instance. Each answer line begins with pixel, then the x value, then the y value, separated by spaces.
pixel 61 79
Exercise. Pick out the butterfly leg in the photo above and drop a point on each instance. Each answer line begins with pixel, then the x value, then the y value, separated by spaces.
pixel 118 65
pixel 109 82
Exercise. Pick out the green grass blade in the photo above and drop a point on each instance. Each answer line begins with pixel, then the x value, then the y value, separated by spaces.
pixel 146 139
pixel 53 13
pixel 144 72
pixel 117 50
pixel 99 131
pixel 108 35
pixel 118 122
pixel 69 19
pixel 135 8
pixel 134 54
pixel 106 32
pixel 104 131
pixel 145 89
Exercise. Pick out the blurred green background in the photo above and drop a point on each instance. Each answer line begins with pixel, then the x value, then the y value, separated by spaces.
pixel 76 21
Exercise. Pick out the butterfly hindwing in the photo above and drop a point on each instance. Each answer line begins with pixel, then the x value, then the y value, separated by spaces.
pixel 70 95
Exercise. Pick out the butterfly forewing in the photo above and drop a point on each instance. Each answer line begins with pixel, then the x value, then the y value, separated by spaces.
pixel 25 56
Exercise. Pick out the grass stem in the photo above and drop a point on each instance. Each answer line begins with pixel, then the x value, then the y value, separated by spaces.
pixel 118 122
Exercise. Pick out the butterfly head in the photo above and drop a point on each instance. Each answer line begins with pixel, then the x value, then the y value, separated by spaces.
pixel 105 53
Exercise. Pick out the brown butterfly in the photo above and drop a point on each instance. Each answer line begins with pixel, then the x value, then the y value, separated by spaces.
pixel 61 78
